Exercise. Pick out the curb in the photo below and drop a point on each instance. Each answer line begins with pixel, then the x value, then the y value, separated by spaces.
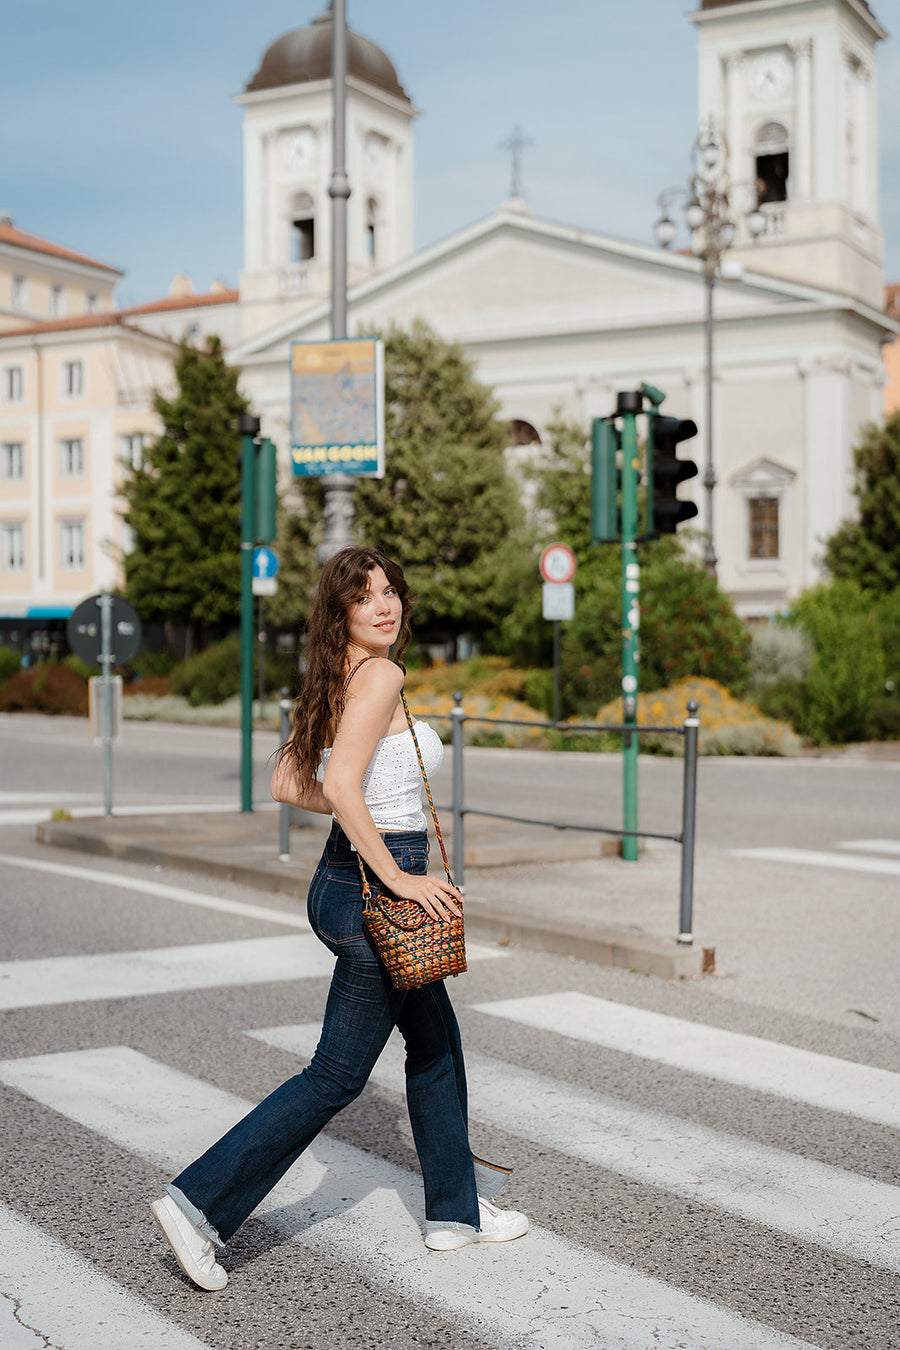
pixel 645 955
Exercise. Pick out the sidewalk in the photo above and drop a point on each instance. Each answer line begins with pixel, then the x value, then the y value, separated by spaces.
pixel 512 895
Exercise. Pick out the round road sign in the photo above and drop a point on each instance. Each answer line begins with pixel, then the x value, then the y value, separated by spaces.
pixel 558 563
pixel 84 630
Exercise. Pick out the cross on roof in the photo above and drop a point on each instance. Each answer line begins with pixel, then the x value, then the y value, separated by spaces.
pixel 515 144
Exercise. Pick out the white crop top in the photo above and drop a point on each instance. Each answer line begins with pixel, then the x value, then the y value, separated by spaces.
pixel 392 784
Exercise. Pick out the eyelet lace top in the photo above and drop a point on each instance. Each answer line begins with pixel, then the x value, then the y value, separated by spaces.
pixel 392 784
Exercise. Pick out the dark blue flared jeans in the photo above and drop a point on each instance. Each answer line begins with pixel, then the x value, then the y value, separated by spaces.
pixel 225 1185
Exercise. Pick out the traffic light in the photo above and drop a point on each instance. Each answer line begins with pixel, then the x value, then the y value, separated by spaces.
pixel 605 443
pixel 667 510
pixel 265 492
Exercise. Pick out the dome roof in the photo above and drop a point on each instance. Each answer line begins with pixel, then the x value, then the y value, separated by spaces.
pixel 305 54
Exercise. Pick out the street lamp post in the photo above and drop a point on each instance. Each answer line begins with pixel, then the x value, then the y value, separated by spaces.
pixel 708 217
pixel 338 486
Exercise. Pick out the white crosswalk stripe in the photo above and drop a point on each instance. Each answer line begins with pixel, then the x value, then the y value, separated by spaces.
pixel 749 1061
pixel 889 846
pixel 808 857
pixel 543 1293
pixel 163 970
pixel 52 1296
pixel 809 1200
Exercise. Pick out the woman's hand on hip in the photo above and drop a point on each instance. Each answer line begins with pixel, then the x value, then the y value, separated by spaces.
pixel 435 894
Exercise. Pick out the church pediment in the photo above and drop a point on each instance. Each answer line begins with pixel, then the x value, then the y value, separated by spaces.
pixel 512 274
pixel 761 476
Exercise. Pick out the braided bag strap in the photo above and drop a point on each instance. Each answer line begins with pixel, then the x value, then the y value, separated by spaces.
pixel 437 828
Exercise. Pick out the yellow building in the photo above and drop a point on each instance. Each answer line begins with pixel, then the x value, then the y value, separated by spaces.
pixel 892 355
pixel 77 381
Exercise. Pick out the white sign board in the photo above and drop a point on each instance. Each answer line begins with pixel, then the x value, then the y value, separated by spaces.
pixel 558 563
pixel 265 585
pixel 558 600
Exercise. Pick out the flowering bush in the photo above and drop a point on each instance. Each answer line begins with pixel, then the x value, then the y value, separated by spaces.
pixel 728 726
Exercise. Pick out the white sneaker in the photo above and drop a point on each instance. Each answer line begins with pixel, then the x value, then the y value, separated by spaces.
pixel 193 1252
pixel 497 1225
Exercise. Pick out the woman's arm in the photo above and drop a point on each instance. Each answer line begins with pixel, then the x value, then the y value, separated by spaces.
pixel 370 706
pixel 285 787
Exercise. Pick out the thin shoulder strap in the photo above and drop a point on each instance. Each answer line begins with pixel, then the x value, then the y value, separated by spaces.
pixel 350 677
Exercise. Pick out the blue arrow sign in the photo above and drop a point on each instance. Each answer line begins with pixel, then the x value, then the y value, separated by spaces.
pixel 265 562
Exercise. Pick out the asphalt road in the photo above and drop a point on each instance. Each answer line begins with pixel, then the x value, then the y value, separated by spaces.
pixel 719 1176
pixel 742 803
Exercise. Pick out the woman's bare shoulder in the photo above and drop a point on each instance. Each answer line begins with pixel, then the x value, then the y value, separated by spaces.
pixel 377 676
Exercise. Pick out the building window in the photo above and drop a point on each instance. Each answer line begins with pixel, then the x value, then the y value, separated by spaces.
pixel 13 384
pixel 73 378
pixel 303 228
pixel 772 163
pixel 71 545
pixel 371 220
pixel 763 527
pixel 90 303
pixel 12 546
pixel 57 301
pixel 71 458
pixel 131 450
pixel 20 292
pixel 12 460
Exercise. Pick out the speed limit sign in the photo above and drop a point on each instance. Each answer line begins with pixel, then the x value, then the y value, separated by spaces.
pixel 558 563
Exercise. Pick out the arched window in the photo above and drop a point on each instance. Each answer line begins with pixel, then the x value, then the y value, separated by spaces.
pixel 303 227
pixel 771 151
pixel 523 433
pixel 371 222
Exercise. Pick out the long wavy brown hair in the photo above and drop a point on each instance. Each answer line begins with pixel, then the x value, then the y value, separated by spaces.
pixel 343 579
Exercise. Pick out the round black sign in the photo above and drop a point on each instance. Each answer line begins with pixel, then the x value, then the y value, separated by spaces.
pixel 85 630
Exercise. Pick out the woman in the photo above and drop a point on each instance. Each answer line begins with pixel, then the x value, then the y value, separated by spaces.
pixel 349 717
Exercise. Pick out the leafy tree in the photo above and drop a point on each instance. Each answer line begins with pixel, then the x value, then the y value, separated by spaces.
pixel 688 626
pixel 445 508
pixel 846 637
pixel 867 550
pixel 183 503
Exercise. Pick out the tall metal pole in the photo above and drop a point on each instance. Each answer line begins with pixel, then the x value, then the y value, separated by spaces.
pixel 338 486
pixel 248 427
pixel 627 406
pixel 709 473
pixel 106 656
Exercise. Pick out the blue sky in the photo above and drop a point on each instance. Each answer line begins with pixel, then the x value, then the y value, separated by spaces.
pixel 119 136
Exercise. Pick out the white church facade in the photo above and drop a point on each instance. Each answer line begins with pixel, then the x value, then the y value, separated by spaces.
pixel 558 319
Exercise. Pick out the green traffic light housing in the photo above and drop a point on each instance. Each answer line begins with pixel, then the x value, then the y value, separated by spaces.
pixel 668 471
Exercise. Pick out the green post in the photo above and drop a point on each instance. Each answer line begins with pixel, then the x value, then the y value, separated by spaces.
pixel 628 405
pixel 248 426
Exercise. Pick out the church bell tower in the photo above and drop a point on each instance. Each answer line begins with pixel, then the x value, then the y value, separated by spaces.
pixel 287 166
pixel 792 85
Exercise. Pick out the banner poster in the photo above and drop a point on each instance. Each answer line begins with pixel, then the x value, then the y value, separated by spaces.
pixel 337 407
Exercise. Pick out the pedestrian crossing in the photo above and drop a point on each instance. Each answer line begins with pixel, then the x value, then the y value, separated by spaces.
pixel 517 1294
pixel 806 1199
pixel 346 1203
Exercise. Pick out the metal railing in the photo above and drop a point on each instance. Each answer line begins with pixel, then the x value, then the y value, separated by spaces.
pixel 689 729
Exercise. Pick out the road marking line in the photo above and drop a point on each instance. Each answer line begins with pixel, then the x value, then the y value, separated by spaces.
pixel 51 1295
pixel 891 846
pixel 180 894
pixel 161 970
pixel 749 1061
pixel 541 1293
pixel 164 970
pixel 807 857
pixel 823 1205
